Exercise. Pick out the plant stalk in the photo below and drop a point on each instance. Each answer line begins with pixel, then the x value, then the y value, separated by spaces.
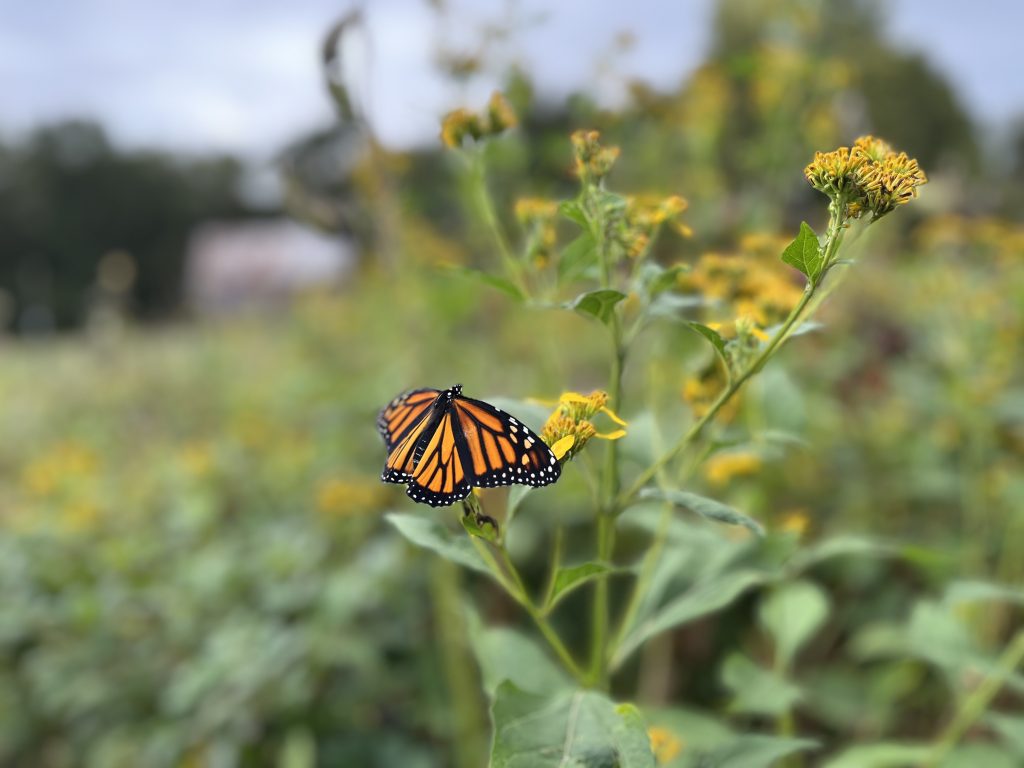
pixel 834 237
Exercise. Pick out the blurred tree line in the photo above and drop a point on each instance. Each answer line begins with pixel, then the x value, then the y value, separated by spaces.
pixel 739 129
pixel 69 199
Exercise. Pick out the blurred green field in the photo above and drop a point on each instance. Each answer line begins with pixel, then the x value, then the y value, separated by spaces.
pixel 201 568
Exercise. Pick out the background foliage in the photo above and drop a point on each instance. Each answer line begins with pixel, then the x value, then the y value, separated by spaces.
pixel 195 560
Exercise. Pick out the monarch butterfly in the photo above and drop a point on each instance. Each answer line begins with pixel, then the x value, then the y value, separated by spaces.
pixel 441 444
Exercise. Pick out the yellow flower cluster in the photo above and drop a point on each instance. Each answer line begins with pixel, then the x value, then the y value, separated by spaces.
pixel 699 392
pixel 460 124
pixel 65 462
pixel 569 428
pixel 988 236
pixel 869 176
pixel 645 215
pixel 593 161
pixel 755 292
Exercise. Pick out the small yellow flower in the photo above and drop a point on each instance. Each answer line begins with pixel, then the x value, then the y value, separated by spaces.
pixel 571 419
pixel 593 161
pixel 79 516
pixel 529 209
pixel 460 124
pixel 795 521
pixel 723 467
pixel 197 458
pixel 500 115
pixel 665 745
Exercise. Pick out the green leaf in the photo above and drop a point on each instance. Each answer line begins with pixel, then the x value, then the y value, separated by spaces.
pixel 705 507
pixel 599 304
pixel 884 755
pixel 966 591
pixel 700 600
pixel 699 732
pixel 581 729
pixel 754 751
pixel 610 203
pixel 494 281
pixel 804 253
pixel 1010 730
pixel 571 209
pixel 570 577
pixel 711 335
pixel 576 257
pixel 481 529
pixel 842 546
pixel 508 654
pixel 757 691
pixel 655 279
pixel 792 614
pixel 430 534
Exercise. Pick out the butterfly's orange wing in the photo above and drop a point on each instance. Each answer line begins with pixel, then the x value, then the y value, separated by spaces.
pixel 439 476
pixel 500 449
pixel 402 415
pixel 441 445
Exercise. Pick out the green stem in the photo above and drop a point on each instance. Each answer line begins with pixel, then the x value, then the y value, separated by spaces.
pixel 977 703
pixel 484 204
pixel 606 511
pixel 834 237
pixel 508 577
pixel 469 722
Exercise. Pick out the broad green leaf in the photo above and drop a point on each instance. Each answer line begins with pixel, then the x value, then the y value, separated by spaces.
pixel 754 751
pixel 804 253
pixel 756 690
pixel 430 534
pixel 698 731
pixel 508 654
pixel 705 507
pixel 655 279
pixel 571 209
pixel 1010 730
pixel 713 336
pixel 570 577
pixel 576 257
pixel 792 613
pixel 582 729
pixel 842 546
pixel 700 600
pixel 983 592
pixel 673 306
pixel 980 756
pixel 494 281
pixel 599 304
pixel 884 755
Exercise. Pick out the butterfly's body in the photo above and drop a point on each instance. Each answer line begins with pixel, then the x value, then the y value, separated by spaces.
pixel 442 444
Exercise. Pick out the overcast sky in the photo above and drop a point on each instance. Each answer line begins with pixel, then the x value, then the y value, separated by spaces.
pixel 243 75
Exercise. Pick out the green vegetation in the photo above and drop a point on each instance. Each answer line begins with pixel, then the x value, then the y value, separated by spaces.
pixel 789 527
